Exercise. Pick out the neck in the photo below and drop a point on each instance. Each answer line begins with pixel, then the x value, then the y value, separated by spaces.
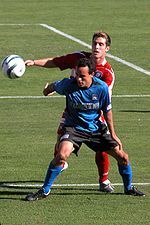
pixel 90 83
pixel 98 61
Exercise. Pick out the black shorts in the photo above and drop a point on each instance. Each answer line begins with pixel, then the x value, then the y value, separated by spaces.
pixel 101 141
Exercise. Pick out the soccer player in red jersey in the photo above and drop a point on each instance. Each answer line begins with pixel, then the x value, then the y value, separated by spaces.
pixel 101 42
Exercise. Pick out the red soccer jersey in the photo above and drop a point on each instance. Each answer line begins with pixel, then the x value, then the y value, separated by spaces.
pixel 103 71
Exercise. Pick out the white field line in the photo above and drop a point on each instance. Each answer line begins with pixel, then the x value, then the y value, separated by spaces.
pixel 13 185
pixel 18 24
pixel 89 46
pixel 131 65
pixel 62 96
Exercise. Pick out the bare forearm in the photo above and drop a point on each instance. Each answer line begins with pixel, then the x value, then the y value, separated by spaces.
pixel 46 62
pixel 109 119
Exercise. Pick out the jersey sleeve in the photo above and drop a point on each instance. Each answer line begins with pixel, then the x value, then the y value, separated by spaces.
pixel 108 76
pixel 69 61
pixel 61 86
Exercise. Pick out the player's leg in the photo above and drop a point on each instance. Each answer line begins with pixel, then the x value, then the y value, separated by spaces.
pixel 57 164
pixel 125 171
pixel 56 148
pixel 54 169
pixel 102 162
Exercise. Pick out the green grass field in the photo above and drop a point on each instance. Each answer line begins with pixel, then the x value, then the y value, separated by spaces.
pixel 28 126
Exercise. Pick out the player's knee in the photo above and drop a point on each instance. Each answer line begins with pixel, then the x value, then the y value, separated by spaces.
pixel 62 156
pixel 59 159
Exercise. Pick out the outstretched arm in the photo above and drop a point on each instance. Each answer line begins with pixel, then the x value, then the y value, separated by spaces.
pixel 46 62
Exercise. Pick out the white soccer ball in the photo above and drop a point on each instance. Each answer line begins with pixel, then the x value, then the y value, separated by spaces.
pixel 13 66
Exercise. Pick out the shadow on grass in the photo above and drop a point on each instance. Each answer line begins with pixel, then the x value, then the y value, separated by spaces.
pixel 13 191
pixel 137 111
pixel 21 184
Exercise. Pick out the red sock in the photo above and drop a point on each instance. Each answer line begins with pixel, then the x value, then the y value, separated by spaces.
pixel 102 162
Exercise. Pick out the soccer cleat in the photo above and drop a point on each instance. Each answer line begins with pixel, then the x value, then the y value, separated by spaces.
pixel 36 196
pixel 106 187
pixel 133 191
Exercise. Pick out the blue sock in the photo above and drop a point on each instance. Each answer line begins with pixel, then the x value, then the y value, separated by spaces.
pixel 126 173
pixel 52 173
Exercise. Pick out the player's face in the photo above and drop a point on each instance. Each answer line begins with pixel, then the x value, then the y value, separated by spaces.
pixel 84 79
pixel 99 47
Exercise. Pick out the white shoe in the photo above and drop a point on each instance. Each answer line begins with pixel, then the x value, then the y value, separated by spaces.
pixel 106 186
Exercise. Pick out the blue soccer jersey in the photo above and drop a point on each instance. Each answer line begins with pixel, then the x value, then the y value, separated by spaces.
pixel 83 105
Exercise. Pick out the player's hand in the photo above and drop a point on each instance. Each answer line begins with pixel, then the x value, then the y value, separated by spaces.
pixel 47 91
pixel 29 62
pixel 118 141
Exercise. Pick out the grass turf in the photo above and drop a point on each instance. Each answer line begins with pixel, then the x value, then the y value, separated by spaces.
pixel 28 126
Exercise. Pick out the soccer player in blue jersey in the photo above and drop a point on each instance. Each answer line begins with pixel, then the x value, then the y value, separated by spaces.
pixel 86 97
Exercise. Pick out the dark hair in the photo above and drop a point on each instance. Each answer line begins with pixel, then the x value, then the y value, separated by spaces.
pixel 103 35
pixel 83 62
